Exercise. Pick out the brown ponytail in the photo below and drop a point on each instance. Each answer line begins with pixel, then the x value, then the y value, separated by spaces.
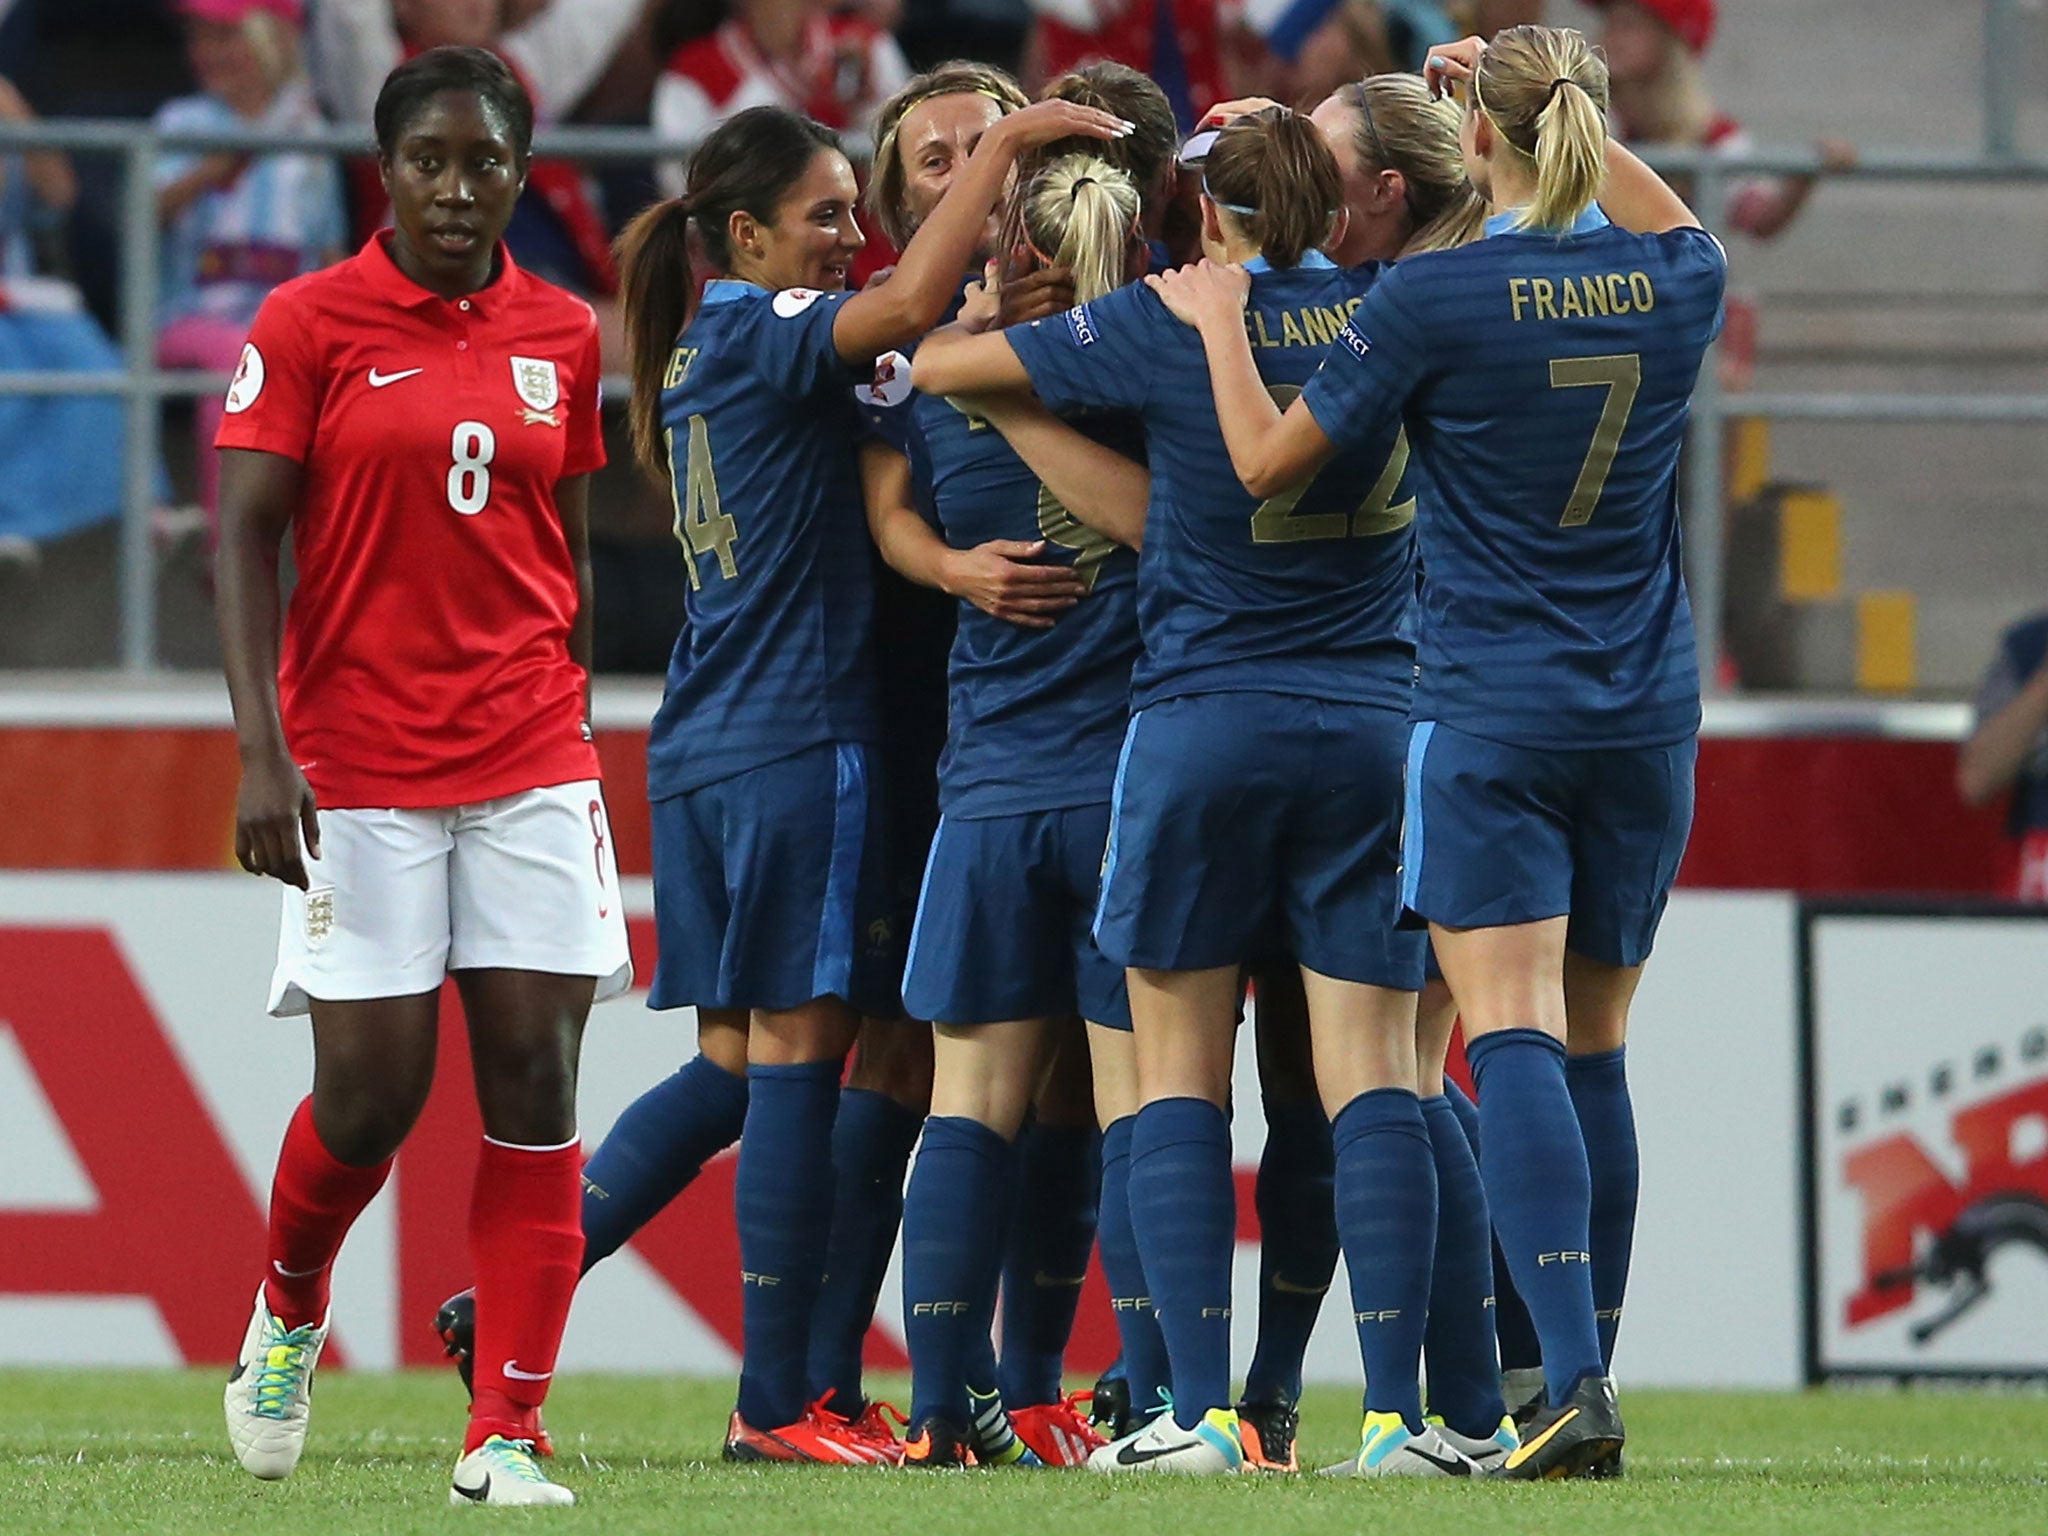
pixel 1272 172
pixel 656 286
pixel 748 164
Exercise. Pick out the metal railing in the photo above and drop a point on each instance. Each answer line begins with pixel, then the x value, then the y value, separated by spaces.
pixel 144 387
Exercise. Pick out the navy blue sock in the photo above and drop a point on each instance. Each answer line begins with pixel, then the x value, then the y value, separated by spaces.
pixel 1464 1370
pixel 784 1210
pixel 1052 1232
pixel 1143 1363
pixel 1512 1328
pixel 1386 1215
pixel 1533 1161
pixel 1599 1089
pixel 654 1149
pixel 1296 1200
pixel 871 1142
pixel 1184 1208
pixel 952 1229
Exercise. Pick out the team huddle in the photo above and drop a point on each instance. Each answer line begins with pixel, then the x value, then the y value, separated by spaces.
pixel 1302 498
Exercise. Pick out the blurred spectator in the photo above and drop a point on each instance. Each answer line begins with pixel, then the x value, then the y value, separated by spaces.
pixel 1179 43
pixel 987 31
pixel 558 47
pixel 836 65
pixel 2008 750
pixel 1659 94
pixel 60 458
pixel 237 225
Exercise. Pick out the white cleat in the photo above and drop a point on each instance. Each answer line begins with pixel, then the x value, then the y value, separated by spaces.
pixel 1390 1449
pixel 504 1472
pixel 269 1396
pixel 1212 1446
pixel 1492 1450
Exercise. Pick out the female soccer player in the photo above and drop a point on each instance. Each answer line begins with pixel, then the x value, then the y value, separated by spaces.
pixel 423 420
pixel 769 895
pixel 1001 956
pixel 1260 774
pixel 1550 767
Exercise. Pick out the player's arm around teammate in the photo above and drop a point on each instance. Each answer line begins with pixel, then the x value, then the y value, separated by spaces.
pixel 1561 731
pixel 417 763
pixel 771 895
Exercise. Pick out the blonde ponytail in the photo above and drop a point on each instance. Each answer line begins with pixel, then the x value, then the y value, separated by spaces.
pixel 1545 91
pixel 1401 127
pixel 1081 213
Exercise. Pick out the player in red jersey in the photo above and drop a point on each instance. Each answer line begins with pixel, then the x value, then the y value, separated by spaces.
pixel 417 768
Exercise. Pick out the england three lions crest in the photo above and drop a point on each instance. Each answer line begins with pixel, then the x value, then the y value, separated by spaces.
pixel 540 387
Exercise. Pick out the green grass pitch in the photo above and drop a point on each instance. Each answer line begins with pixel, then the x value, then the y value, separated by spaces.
pixel 91 1451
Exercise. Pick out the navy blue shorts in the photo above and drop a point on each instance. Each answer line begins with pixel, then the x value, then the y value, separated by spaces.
pixel 1232 808
pixel 771 888
pixel 1003 922
pixel 1497 835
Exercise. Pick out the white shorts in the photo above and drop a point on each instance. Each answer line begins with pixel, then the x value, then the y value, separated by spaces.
pixel 400 898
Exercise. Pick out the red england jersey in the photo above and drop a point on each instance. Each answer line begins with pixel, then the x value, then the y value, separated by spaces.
pixel 426 656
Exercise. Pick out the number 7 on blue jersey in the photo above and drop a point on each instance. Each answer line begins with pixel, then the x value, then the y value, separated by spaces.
pixel 1622 373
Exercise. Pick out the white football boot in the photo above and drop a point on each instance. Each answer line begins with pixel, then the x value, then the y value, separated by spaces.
pixel 504 1472
pixel 1389 1449
pixel 1496 1447
pixel 269 1395
pixel 1212 1446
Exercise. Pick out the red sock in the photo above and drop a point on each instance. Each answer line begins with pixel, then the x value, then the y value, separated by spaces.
pixel 526 1240
pixel 314 1200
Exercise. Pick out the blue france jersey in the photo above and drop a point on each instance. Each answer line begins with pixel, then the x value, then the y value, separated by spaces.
pixel 1307 593
pixel 775 655
pixel 1036 716
pixel 1544 381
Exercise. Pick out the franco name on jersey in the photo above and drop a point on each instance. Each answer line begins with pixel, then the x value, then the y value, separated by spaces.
pixel 1578 298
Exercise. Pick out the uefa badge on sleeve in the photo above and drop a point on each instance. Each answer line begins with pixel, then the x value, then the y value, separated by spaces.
pixel 540 388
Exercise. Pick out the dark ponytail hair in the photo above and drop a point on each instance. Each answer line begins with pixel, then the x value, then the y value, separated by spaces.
pixel 1272 170
pixel 409 87
pixel 747 165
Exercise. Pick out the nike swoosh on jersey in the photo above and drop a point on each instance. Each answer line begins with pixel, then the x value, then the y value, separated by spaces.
pixel 295 1274
pixel 518 1375
pixel 379 380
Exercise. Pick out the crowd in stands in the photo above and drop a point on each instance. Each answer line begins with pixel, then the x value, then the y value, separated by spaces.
pixel 234 225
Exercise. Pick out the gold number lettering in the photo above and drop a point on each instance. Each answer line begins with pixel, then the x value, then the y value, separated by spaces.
pixel 1275 522
pixel 1622 375
pixel 702 526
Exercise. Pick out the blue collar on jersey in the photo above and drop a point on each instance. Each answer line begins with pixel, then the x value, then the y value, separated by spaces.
pixel 1585 224
pixel 1311 261
pixel 728 290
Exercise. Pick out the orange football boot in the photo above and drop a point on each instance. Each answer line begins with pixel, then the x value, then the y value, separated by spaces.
pixel 1059 1434
pixel 819 1436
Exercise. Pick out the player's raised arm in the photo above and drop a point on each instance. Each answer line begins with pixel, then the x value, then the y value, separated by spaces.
pixel 1271 451
pixel 259 495
pixel 927 277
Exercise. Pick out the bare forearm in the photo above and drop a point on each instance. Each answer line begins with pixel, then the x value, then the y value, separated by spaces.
pixel 247 611
pixel 1243 408
pixel 911 547
pixel 1638 199
pixel 1104 490
pixel 1997 750
pixel 52 179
